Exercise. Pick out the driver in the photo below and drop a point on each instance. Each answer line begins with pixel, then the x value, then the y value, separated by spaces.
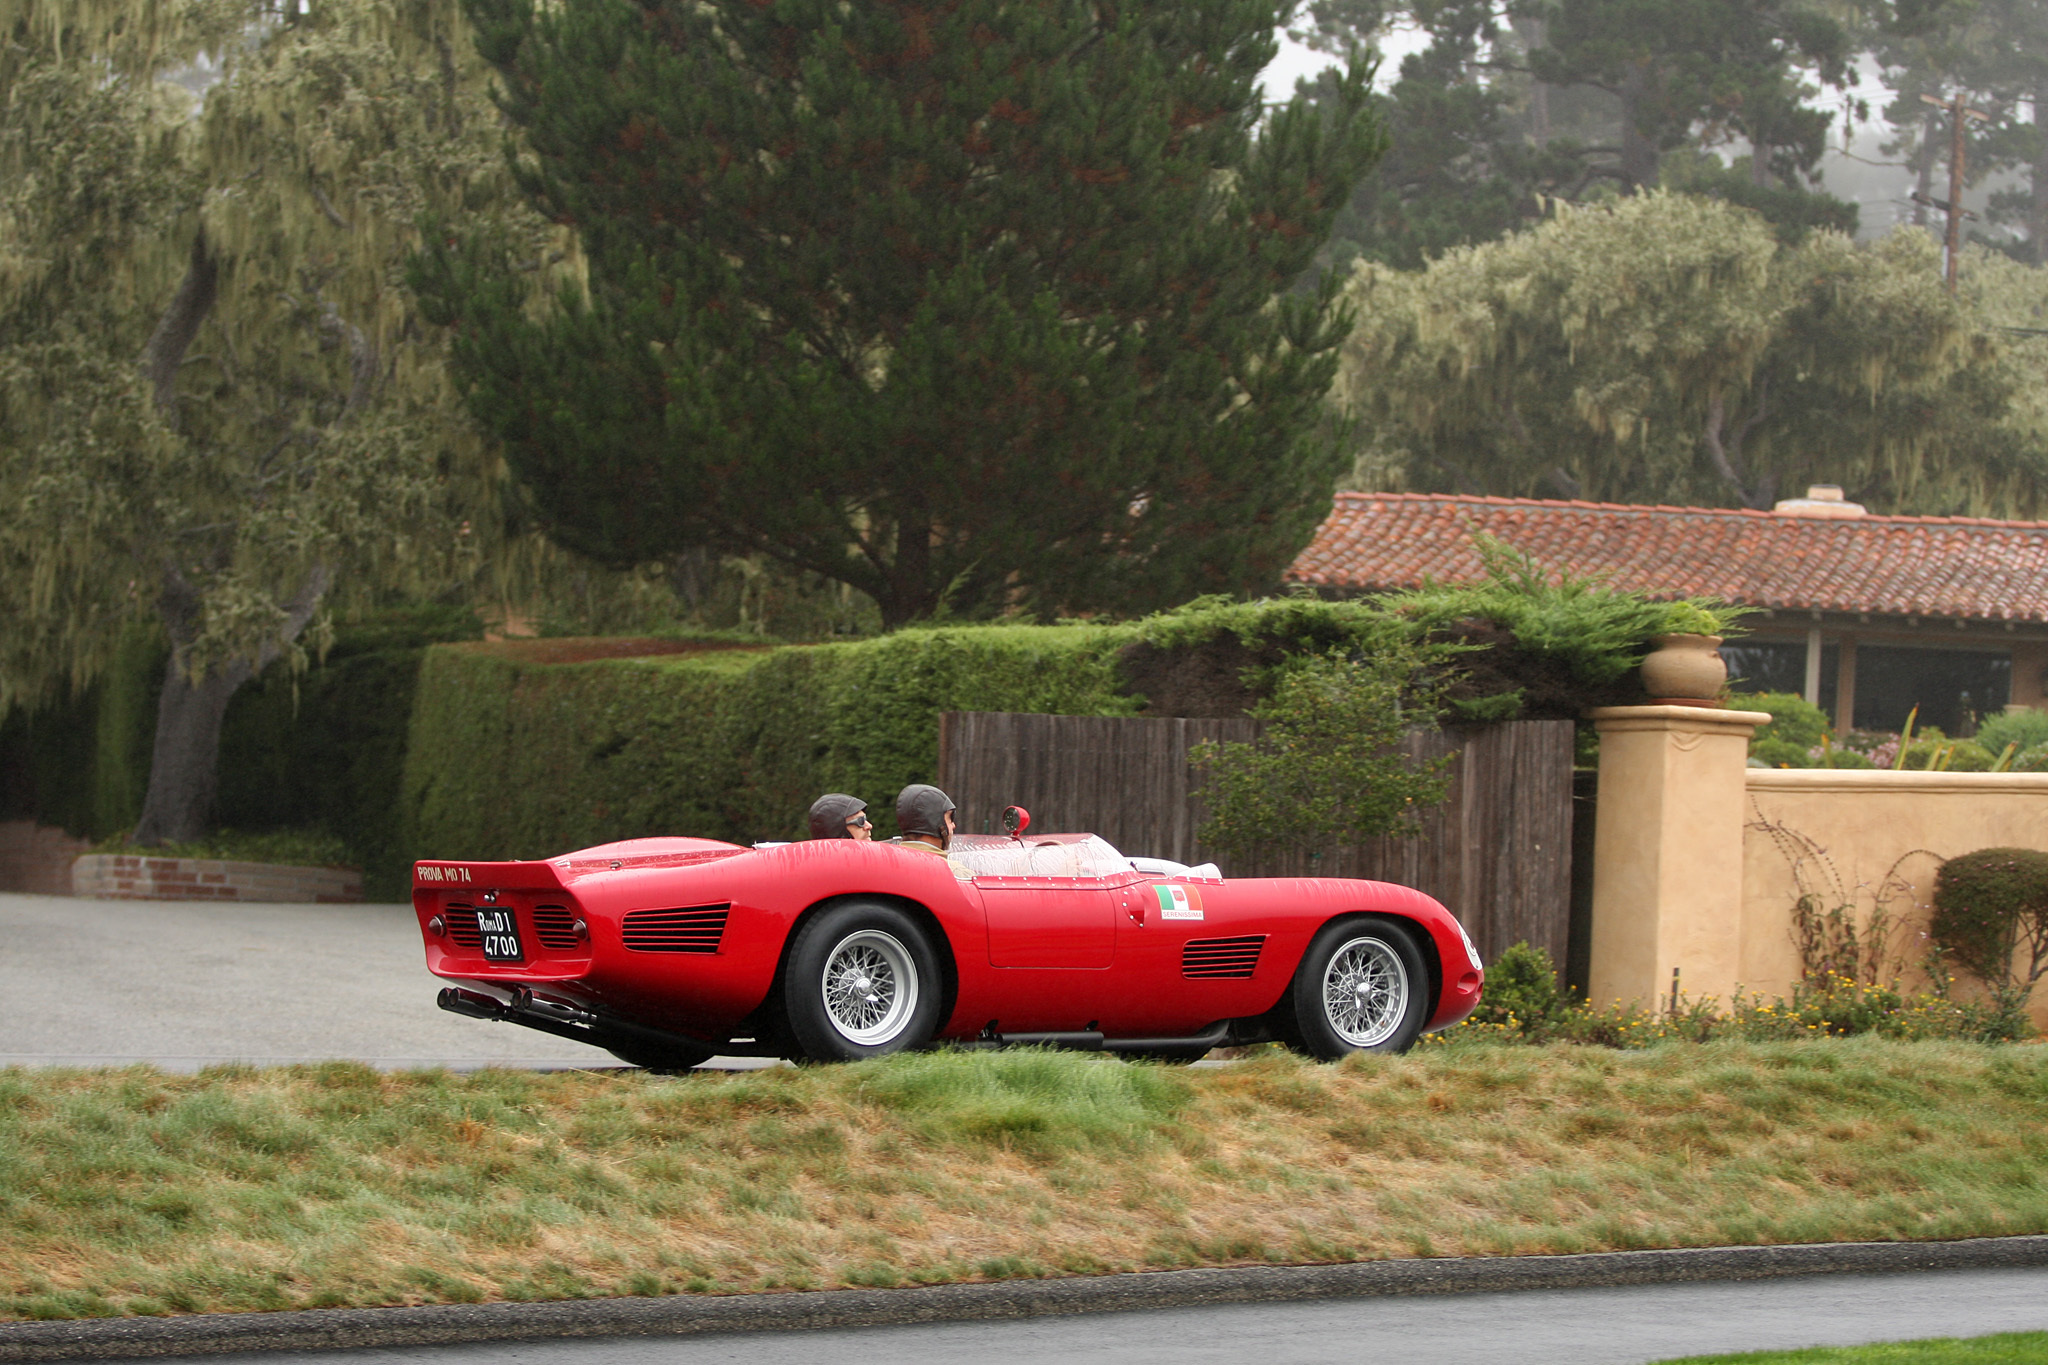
pixel 835 815
pixel 925 817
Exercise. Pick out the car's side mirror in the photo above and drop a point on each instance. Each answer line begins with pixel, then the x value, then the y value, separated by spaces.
pixel 1015 821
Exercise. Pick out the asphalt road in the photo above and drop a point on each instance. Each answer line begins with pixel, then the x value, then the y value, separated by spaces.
pixel 186 984
pixel 1626 1326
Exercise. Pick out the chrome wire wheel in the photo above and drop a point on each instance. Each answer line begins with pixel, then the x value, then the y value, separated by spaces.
pixel 1365 992
pixel 870 987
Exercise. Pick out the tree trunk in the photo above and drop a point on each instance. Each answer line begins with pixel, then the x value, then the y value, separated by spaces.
pixel 165 350
pixel 909 594
pixel 184 761
pixel 1638 153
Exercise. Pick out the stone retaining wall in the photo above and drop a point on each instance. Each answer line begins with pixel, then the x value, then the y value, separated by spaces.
pixel 128 876
pixel 36 859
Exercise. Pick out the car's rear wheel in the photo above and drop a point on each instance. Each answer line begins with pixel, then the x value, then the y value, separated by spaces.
pixel 1362 987
pixel 863 980
pixel 662 1058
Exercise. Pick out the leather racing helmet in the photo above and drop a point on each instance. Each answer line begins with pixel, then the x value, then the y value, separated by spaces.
pixel 830 812
pixel 921 810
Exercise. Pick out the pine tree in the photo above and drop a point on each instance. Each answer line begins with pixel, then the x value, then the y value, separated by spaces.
pixel 965 305
pixel 1516 103
pixel 217 408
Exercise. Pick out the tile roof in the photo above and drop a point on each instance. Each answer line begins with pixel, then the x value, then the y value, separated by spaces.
pixel 1895 566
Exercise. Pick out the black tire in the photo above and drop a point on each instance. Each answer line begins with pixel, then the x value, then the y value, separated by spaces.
pixel 863 981
pixel 662 1059
pixel 1362 987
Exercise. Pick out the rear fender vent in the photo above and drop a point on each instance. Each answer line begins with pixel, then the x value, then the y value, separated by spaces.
pixel 690 929
pixel 462 930
pixel 1208 958
pixel 555 926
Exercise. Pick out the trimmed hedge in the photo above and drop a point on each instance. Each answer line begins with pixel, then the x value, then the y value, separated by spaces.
pixel 513 759
pixel 81 762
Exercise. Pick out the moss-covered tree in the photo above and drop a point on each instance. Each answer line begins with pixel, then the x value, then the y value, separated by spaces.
pixel 217 407
pixel 1667 348
pixel 960 304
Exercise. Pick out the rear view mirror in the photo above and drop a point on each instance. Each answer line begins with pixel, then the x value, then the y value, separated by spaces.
pixel 1015 820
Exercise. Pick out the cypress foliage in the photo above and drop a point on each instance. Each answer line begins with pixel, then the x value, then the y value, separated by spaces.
pixel 957 303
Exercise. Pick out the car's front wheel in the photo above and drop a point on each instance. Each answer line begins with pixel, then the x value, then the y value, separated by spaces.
pixel 863 980
pixel 1362 987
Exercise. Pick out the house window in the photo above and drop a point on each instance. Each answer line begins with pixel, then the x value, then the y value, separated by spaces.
pixel 1766 666
pixel 1953 688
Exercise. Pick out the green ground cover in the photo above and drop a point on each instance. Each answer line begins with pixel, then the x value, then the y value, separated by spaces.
pixel 131 1191
pixel 2006 1348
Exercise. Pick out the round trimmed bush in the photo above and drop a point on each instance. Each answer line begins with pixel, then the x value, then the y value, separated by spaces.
pixel 1984 902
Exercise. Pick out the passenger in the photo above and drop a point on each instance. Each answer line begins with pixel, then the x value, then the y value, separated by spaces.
pixel 835 815
pixel 925 817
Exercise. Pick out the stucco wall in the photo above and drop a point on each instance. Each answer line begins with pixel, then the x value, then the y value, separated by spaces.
pixel 1854 829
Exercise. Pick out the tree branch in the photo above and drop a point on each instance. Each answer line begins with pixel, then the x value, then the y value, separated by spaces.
pixel 1727 456
pixel 327 208
pixel 175 330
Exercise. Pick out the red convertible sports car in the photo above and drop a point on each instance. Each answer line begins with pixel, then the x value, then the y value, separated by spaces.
pixel 669 951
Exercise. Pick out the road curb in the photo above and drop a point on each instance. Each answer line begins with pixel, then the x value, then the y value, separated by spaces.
pixel 446 1324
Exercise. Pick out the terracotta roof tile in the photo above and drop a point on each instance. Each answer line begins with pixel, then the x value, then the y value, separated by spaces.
pixel 1896 566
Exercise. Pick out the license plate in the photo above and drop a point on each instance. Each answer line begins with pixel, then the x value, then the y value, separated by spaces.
pixel 501 934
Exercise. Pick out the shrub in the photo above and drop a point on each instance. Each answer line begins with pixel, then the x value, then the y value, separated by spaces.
pixel 2021 726
pixel 1596 630
pixel 1522 990
pixel 1773 752
pixel 1990 906
pixel 1330 769
pixel 1947 755
pixel 2034 760
pixel 1795 721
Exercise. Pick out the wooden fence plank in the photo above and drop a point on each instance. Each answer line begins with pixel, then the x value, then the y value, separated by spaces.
pixel 1498 852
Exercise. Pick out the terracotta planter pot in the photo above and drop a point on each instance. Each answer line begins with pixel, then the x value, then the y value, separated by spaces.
pixel 1685 668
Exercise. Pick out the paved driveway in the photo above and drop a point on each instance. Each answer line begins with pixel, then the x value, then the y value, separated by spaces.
pixel 1627 1326
pixel 185 984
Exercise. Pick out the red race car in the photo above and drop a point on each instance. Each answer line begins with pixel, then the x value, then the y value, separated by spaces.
pixel 669 951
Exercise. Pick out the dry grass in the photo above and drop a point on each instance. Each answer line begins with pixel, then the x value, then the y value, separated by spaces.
pixel 136 1192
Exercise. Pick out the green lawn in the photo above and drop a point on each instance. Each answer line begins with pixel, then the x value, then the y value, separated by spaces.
pixel 131 1191
pixel 2008 1348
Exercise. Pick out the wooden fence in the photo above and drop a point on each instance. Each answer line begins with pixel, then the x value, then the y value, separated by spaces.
pixel 1498 852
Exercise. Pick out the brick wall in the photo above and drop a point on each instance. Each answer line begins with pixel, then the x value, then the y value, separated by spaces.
pixel 127 876
pixel 37 858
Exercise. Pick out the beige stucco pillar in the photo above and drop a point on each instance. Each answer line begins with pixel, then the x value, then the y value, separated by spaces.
pixel 1667 851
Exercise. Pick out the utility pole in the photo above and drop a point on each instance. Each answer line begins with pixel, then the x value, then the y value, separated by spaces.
pixel 1957 152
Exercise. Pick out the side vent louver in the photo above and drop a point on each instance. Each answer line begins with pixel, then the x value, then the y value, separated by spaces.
pixel 1221 957
pixel 462 930
pixel 691 929
pixel 555 926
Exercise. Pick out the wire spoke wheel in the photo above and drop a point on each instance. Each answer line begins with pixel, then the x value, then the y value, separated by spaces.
pixel 870 987
pixel 1365 992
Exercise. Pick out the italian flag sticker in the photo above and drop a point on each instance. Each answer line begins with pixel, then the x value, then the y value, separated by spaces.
pixel 1179 902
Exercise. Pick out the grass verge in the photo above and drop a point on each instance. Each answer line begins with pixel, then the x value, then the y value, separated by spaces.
pixel 2006 1348
pixel 131 1191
